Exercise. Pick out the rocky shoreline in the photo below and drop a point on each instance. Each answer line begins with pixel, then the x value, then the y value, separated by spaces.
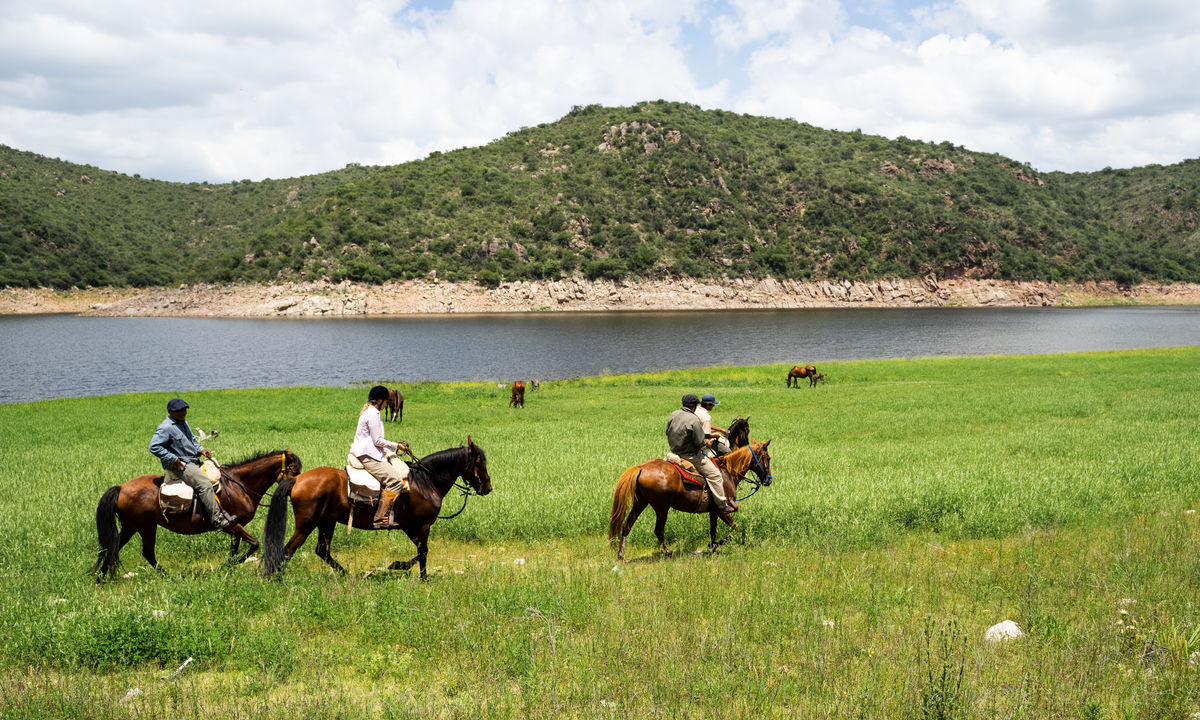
pixel 323 299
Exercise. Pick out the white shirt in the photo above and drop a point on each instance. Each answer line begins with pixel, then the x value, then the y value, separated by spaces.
pixel 368 436
pixel 705 419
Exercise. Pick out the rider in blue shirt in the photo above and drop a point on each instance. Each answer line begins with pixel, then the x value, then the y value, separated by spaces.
pixel 179 452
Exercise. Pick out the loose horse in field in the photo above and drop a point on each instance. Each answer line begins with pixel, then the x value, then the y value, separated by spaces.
pixel 808 371
pixel 658 484
pixel 395 407
pixel 321 500
pixel 136 504
pixel 518 395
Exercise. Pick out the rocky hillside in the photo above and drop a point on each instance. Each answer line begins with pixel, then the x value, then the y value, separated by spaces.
pixel 655 192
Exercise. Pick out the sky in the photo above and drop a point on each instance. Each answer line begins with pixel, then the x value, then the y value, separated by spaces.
pixel 224 90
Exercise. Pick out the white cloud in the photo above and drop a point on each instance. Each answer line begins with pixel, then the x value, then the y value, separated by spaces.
pixel 224 90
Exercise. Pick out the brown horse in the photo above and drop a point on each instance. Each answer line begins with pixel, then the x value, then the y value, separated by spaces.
pixel 136 504
pixel 518 394
pixel 738 433
pixel 808 371
pixel 395 407
pixel 320 501
pixel 659 485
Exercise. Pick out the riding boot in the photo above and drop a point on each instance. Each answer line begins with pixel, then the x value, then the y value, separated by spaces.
pixel 382 521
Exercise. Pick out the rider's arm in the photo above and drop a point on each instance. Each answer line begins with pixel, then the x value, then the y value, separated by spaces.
pixel 158 447
pixel 375 429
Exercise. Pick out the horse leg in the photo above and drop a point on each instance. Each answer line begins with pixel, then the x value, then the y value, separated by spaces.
pixel 324 538
pixel 660 529
pixel 421 540
pixel 638 506
pixel 239 533
pixel 149 535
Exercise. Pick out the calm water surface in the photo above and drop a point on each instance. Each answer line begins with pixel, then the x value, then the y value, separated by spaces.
pixel 51 356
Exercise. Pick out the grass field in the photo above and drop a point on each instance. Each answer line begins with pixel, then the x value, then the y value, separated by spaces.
pixel 916 503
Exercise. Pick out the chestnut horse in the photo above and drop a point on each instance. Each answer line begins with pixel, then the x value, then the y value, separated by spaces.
pixel 320 501
pixel 136 504
pixel 518 394
pixel 808 371
pixel 395 407
pixel 659 485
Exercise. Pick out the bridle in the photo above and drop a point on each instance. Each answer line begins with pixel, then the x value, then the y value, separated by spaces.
pixel 759 469
pixel 258 496
pixel 466 486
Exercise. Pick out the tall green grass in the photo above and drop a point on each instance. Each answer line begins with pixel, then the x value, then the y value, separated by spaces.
pixel 914 501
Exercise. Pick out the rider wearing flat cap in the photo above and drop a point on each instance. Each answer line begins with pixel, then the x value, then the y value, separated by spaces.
pixel 685 434
pixel 179 452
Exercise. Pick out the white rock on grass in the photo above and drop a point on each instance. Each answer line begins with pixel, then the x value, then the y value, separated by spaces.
pixel 1007 630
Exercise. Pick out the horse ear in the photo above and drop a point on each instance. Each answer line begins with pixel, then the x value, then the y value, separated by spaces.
pixel 470 442
pixel 766 443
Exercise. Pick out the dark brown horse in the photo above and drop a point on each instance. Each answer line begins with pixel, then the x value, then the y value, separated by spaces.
pixel 808 371
pixel 320 501
pixel 738 433
pixel 395 407
pixel 135 503
pixel 518 394
pixel 659 485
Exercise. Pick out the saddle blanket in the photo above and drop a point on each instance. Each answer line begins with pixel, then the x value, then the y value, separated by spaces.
pixel 686 469
pixel 178 497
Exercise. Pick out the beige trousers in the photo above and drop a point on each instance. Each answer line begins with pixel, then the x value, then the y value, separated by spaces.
pixel 386 473
pixel 712 477
pixel 194 477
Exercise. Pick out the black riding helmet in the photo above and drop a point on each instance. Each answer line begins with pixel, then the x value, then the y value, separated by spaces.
pixel 378 392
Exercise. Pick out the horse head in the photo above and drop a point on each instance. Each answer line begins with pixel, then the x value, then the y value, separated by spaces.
pixel 739 433
pixel 761 461
pixel 476 472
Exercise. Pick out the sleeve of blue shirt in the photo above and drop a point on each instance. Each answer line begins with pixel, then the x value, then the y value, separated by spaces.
pixel 162 443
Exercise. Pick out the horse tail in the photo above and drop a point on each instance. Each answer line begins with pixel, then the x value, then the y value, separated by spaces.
pixel 275 528
pixel 622 498
pixel 400 412
pixel 108 556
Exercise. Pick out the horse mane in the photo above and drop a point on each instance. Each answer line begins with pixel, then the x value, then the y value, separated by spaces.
pixel 260 456
pixel 423 470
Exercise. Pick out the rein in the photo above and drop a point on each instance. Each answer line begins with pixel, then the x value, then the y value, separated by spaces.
pixel 758 485
pixel 466 489
pixel 227 474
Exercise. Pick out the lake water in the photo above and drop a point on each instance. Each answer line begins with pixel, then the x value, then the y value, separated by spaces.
pixel 51 356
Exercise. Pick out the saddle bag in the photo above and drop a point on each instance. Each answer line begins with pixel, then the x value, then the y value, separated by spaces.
pixel 176 499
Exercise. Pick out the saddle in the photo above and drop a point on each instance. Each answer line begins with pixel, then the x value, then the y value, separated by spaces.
pixel 178 498
pixel 686 469
pixel 362 487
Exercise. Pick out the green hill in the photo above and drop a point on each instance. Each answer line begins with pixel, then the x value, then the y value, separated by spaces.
pixel 655 190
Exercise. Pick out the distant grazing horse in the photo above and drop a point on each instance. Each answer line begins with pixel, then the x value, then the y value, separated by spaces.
pixel 518 394
pixel 535 384
pixel 797 372
pixel 135 503
pixel 395 407
pixel 320 501
pixel 659 485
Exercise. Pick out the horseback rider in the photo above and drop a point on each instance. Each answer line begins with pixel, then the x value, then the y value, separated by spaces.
pixel 720 444
pixel 179 452
pixel 685 434
pixel 372 451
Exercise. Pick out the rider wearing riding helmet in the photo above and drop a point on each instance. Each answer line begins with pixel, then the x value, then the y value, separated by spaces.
pixel 373 451
pixel 720 445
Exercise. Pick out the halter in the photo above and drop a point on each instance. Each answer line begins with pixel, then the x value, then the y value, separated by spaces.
pixel 758 484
